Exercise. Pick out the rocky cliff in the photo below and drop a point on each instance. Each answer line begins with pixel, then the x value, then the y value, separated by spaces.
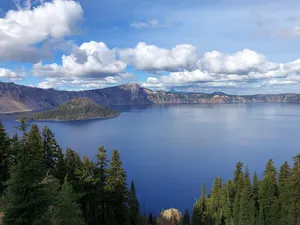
pixel 15 97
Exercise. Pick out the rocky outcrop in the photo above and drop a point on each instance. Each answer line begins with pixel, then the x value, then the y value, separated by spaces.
pixel 15 97
pixel 169 217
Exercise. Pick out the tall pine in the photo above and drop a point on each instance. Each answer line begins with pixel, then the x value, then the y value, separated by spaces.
pixel 4 158
pixel 27 200
pixel 267 194
pixel 117 189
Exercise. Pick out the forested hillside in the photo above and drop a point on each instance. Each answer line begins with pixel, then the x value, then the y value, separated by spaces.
pixel 39 184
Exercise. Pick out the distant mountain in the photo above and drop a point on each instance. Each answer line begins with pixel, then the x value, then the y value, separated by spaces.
pixel 76 109
pixel 15 97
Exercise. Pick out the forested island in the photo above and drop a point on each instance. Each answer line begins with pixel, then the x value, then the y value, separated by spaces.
pixel 42 184
pixel 76 109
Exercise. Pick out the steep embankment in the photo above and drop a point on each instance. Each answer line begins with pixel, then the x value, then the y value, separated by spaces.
pixel 15 97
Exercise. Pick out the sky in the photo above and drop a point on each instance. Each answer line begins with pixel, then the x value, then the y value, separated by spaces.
pixel 233 46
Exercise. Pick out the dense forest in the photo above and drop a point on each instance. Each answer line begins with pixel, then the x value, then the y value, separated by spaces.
pixel 39 184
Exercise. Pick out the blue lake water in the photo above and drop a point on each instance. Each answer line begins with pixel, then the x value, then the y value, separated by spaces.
pixel 170 150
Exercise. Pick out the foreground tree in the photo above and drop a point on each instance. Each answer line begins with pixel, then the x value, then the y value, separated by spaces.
pixel 27 200
pixel 134 206
pixel 66 210
pixel 186 218
pixel 267 194
pixel 117 189
pixel 4 158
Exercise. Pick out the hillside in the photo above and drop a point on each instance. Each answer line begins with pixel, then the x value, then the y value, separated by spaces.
pixel 15 97
pixel 76 109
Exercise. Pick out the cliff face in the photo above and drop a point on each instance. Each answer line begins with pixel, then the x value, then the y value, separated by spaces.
pixel 15 97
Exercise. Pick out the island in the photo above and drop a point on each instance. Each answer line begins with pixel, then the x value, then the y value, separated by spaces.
pixel 76 109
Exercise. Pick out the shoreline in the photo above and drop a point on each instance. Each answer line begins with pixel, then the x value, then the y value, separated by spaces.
pixel 82 119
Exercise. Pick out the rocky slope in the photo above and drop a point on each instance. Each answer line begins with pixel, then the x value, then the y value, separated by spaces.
pixel 76 109
pixel 15 97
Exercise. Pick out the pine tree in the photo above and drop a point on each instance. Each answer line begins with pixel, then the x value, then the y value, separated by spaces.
pixel 60 171
pixel 73 164
pixel 134 206
pixel 238 182
pixel 150 218
pixel 14 148
pixel 216 202
pixel 101 173
pixel 284 192
pixel 116 188
pixel 27 200
pixel 66 210
pixel 186 218
pixel 52 151
pixel 87 181
pixel 268 193
pixel 247 207
pixel 295 187
pixel 229 199
pixel 255 194
pixel 4 158
pixel 199 213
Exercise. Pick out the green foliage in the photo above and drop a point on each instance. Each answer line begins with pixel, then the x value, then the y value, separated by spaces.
pixel 44 186
pixel 4 158
pixel 116 188
pixel 26 197
pixel 186 218
pixel 77 109
pixel 65 209
pixel 134 206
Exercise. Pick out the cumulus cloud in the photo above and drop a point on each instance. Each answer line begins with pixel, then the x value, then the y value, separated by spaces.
pixel 78 83
pixel 217 69
pixel 91 59
pixel 152 58
pixel 20 30
pixel 11 75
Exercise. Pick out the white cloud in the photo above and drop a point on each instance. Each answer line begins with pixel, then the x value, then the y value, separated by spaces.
pixel 153 58
pixel 78 83
pixel 154 23
pixel 21 29
pixel 11 75
pixel 281 82
pixel 91 59
pixel 239 63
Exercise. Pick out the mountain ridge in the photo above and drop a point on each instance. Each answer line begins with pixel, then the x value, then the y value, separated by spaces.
pixel 17 98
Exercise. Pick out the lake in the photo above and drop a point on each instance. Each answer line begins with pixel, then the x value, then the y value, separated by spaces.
pixel 170 150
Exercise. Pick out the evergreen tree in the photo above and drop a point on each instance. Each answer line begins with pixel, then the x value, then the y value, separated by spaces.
pixel 4 158
pixel 238 182
pixel 72 165
pixel 14 148
pixel 116 188
pixel 186 218
pixel 216 202
pixel 247 206
pixel 295 187
pixel 52 151
pixel 101 173
pixel 267 193
pixel 134 206
pixel 150 218
pixel 199 213
pixel 66 210
pixel 284 192
pixel 255 194
pixel 27 200
pixel 87 180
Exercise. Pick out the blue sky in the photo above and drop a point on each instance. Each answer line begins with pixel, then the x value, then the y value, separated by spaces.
pixel 239 47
